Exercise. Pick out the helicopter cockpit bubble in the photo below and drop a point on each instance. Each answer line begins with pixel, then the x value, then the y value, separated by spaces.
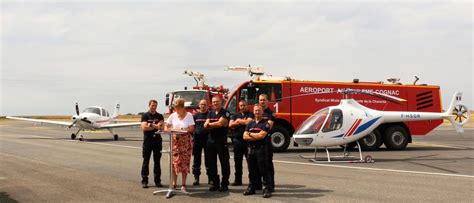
pixel 313 124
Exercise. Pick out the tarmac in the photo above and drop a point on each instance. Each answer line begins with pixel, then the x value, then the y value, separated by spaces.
pixel 42 164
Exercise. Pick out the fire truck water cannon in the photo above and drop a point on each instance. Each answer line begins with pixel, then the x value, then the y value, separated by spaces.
pixel 251 70
pixel 193 96
pixel 198 77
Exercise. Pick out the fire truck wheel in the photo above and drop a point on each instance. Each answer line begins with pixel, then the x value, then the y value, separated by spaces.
pixel 280 139
pixel 371 142
pixel 396 138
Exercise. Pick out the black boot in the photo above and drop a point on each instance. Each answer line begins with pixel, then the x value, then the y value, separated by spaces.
pixel 267 193
pixel 214 188
pixel 237 182
pixel 196 180
pixel 215 184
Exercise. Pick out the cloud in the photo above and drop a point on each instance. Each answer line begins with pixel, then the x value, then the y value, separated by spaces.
pixel 99 52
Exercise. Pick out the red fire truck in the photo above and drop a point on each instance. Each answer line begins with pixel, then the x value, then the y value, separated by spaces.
pixel 292 109
pixel 285 98
pixel 193 96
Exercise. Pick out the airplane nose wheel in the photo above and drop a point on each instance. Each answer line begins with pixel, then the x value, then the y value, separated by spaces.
pixel 73 136
pixel 81 138
pixel 115 137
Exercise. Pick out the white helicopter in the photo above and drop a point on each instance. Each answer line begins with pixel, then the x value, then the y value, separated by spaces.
pixel 350 121
pixel 92 118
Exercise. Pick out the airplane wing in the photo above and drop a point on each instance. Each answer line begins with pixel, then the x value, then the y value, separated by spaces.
pixel 41 121
pixel 120 125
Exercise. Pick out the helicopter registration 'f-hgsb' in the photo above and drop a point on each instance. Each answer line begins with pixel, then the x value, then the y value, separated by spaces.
pixel 350 121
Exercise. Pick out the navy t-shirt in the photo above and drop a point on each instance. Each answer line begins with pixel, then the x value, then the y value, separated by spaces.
pixel 268 114
pixel 199 120
pixel 214 116
pixel 151 118
pixel 238 132
pixel 254 127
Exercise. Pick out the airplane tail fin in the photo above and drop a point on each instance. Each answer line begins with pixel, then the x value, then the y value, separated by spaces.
pixel 458 114
pixel 116 111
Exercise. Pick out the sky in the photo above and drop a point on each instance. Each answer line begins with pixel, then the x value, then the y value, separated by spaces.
pixel 57 53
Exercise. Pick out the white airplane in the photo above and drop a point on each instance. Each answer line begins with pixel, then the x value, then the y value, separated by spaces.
pixel 350 121
pixel 92 118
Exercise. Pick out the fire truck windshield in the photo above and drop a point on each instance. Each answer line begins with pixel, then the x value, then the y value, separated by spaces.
pixel 313 123
pixel 191 98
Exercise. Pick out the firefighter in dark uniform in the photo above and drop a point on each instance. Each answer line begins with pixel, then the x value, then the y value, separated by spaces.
pixel 151 122
pixel 200 136
pixel 269 116
pixel 217 123
pixel 256 133
pixel 237 123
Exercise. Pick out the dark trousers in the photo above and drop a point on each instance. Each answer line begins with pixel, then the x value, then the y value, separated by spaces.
pixel 259 167
pixel 146 153
pixel 269 149
pixel 218 148
pixel 240 150
pixel 198 147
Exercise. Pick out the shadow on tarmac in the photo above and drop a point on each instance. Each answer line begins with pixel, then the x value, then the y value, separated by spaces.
pixel 5 198
pixel 322 150
pixel 286 191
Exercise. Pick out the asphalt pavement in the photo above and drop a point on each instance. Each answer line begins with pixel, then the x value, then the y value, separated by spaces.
pixel 42 164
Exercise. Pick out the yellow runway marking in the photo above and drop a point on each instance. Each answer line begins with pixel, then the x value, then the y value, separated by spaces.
pixel 38 127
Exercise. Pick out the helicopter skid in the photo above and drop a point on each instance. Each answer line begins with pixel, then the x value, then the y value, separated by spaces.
pixel 345 158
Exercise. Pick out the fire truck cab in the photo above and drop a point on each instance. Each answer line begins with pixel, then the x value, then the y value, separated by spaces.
pixel 193 96
pixel 293 102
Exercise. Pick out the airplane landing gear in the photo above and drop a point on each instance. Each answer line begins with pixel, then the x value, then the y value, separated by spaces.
pixel 73 136
pixel 81 138
pixel 111 132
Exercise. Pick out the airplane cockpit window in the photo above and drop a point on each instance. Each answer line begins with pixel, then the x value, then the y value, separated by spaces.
pixel 92 110
pixel 334 121
pixel 105 113
pixel 313 124
pixel 102 111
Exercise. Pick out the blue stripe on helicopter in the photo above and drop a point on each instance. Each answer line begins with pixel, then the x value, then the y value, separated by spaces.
pixel 338 136
pixel 366 125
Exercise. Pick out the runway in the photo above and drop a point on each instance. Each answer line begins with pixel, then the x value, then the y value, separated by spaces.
pixel 41 163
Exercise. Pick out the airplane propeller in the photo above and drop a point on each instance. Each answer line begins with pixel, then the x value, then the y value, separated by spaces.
pixel 72 124
pixel 77 108
pixel 74 118
pixel 85 120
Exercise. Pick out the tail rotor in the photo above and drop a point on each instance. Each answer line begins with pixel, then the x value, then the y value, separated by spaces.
pixel 461 114
pixel 458 113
